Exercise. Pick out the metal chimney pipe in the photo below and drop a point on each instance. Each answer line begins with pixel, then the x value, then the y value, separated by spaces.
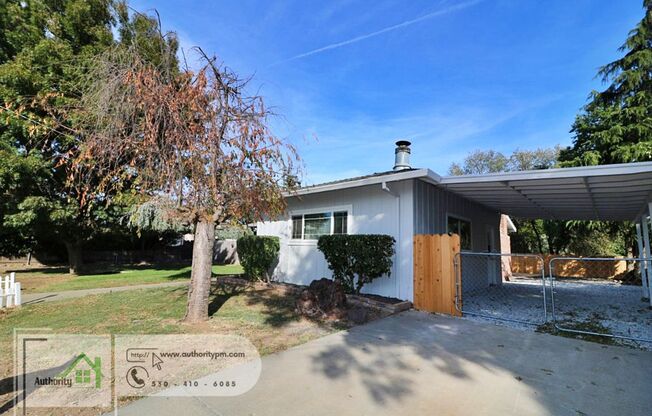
pixel 402 155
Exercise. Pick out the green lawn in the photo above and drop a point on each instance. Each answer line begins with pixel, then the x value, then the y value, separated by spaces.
pixel 57 279
pixel 266 317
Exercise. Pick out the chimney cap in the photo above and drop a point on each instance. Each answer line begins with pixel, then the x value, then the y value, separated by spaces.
pixel 402 155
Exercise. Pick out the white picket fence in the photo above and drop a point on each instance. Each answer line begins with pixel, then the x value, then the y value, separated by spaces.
pixel 9 291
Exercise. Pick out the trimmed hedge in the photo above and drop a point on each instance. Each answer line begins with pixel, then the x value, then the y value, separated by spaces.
pixel 357 259
pixel 257 254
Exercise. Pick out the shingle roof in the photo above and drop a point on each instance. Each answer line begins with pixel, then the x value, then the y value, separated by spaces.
pixel 355 178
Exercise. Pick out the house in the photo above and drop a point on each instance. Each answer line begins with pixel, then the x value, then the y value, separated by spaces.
pixel 407 201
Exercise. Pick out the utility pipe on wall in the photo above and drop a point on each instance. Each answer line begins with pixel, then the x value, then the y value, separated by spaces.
pixel 398 236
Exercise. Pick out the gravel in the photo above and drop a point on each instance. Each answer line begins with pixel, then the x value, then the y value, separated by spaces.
pixel 582 304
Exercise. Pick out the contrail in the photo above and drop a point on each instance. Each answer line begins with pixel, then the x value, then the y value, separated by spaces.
pixel 381 31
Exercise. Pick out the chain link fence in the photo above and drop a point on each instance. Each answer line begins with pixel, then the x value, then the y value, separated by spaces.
pixel 600 297
pixel 507 287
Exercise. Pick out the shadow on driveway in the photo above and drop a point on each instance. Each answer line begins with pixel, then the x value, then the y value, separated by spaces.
pixel 422 364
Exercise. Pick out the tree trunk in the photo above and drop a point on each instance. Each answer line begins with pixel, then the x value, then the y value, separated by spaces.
pixel 200 276
pixel 538 235
pixel 75 262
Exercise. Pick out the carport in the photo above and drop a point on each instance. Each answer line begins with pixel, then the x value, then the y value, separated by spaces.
pixel 620 192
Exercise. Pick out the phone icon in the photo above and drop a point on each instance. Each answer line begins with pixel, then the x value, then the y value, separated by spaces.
pixel 136 376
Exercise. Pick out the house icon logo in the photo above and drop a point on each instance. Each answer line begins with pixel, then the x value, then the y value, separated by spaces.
pixel 84 372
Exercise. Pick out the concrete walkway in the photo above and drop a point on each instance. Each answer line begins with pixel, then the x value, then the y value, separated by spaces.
pixel 33 298
pixel 421 364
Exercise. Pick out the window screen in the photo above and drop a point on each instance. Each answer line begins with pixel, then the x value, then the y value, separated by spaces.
pixel 340 220
pixel 316 225
pixel 312 226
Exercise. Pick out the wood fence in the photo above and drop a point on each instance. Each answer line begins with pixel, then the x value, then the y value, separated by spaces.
pixel 434 272
pixel 599 269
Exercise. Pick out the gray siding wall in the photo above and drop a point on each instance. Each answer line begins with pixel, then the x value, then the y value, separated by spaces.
pixel 433 205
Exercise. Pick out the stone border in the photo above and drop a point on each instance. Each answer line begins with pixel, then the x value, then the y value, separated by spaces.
pixel 287 288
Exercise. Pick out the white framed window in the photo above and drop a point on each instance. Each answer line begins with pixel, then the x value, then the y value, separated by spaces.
pixel 461 227
pixel 309 225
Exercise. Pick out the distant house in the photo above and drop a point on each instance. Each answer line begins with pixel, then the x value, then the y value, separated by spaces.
pixel 406 201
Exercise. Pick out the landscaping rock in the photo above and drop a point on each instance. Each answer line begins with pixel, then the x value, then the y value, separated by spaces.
pixel 324 299
pixel 358 315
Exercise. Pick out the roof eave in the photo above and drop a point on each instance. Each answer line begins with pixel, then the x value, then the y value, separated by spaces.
pixel 424 174
pixel 575 172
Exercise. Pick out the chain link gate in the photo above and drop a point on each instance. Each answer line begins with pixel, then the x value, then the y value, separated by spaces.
pixel 503 286
pixel 600 297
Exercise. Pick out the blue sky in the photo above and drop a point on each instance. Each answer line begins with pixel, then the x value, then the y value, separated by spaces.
pixel 348 78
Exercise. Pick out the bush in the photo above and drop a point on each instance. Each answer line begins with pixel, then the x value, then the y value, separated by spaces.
pixel 257 254
pixel 357 259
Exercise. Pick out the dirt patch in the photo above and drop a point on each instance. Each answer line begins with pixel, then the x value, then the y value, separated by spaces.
pixel 359 309
pixel 593 325
pixel 381 299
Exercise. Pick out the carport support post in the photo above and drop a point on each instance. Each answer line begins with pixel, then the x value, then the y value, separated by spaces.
pixel 641 254
pixel 646 220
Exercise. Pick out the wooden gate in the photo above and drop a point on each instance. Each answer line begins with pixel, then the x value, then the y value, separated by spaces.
pixel 434 272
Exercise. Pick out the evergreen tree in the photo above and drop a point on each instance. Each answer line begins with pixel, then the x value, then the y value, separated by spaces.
pixel 616 125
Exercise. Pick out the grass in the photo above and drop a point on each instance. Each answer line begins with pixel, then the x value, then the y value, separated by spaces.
pixel 266 317
pixel 591 325
pixel 57 279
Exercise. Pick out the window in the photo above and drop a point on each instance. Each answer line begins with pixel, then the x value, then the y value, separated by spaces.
pixel 463 229
pixel 316 225
pixel 312 226
pixel 340 218
pixel 297 221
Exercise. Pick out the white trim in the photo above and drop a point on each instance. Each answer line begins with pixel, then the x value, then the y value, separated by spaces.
pixel 348 208
pixel 424 174
pixel 511 228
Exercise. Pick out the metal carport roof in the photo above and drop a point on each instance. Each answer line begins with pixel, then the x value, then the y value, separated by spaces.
pixel 607 192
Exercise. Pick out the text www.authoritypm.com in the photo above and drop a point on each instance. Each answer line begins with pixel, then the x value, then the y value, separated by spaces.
pixel 202 354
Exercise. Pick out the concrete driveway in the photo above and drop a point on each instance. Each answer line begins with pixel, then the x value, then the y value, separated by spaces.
pixel 421 364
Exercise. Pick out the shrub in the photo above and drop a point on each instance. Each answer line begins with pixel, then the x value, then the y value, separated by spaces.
pixel 357 259
pixel 257 254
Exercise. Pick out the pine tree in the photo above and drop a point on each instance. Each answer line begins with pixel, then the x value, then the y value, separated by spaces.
pixel 616 125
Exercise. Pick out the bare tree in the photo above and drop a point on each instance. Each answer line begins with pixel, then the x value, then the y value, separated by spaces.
pixel 193 142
